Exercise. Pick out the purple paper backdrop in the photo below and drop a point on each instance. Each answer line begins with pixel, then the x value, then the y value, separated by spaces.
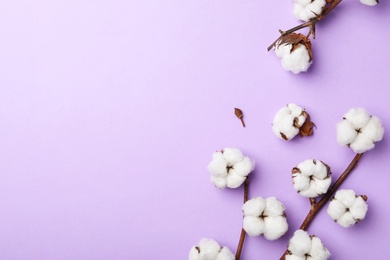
pixel 110 111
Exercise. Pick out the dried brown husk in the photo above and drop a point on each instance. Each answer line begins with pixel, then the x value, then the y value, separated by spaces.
pixel 296 39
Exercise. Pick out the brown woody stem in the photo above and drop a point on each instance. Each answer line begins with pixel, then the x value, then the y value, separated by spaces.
pixel 315 208
pixel 311 23
pixel 243 233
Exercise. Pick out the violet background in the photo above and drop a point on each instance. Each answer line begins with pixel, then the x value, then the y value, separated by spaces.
pixel 110 111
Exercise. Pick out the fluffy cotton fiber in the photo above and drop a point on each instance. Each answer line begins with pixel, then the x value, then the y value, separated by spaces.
pixel 359 130
pixel 302 247
pixel 209 249
pixel 346 208
pixel 264 217
pixel 288 120
pixel 311 178
pixel 295 59
pixel 229 168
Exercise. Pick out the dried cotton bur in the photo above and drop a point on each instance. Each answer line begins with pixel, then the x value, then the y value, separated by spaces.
pixel 295 49
pixel 290 121
pixel 239 115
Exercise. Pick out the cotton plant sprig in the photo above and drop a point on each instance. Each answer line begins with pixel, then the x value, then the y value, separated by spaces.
pixel 230 168
pixel 359 131
pixel 295 49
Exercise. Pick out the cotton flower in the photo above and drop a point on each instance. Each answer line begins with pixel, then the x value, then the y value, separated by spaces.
pixel 302 247
pixel 229 168
pixel 346 208
pixel 209 249
pixel 359 130
pixel 311 178
pixel 306 10
pixel 264 217
pixel 295 52
pixel 290 121
pixel 369 2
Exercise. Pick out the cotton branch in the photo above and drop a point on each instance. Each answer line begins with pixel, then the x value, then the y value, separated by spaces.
pixel 331 4
pixel 316 207
pixel 243 233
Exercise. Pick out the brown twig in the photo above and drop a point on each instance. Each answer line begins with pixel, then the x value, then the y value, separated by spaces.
pixel 315 208
pixel 243 233
pixel 311 24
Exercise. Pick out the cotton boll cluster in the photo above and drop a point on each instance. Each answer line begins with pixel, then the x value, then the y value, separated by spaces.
pixel 264 217
pixel 359 130
pixel 302 247
pixel 369 2
pixel 229 168
pixel 296 55
pixel 209 249
pixel 306 10
pixel 311 178
pixel 346 208
pixel 290 121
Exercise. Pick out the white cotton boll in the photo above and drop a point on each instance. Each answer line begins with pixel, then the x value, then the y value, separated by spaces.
pixel 229 168
pixel 275 227
pixel 217 166
pixel 234 181
pixel 347 197
pixel 359 117
pixel 273 207
pixel 369 2
pixel 336 209
pixel 346 220
pixel 318 251
pixel 300 243
pixel 311 178
pixel 361 144
pixel 254 207
pixel 218 182
pixel 232 155
pixel 359 208
pixel 346 133
pixel 244 167
pixel 225 254
pixel 373 129
pixel 253 226
pixel 297 61
pixel 301 182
